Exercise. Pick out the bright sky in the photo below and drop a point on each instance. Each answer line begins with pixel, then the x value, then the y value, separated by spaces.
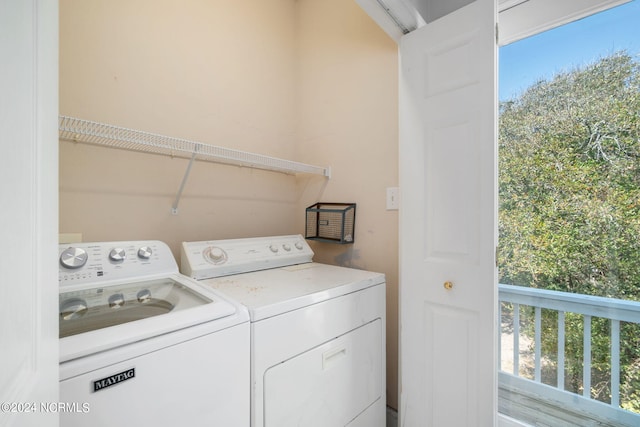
pixel 581 42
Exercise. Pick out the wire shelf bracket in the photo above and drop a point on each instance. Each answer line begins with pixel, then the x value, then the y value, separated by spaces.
pixel 90 132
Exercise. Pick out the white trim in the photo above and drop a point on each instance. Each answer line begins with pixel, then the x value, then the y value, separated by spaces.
pixel 536 16
pixel 395 17
pixel 378 14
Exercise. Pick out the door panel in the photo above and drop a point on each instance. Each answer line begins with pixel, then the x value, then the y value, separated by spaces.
pixel 442 323
pixel 451 227
pixel 449 65
pixel 448 220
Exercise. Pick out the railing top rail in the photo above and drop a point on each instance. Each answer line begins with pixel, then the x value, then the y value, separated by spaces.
pixel 609 308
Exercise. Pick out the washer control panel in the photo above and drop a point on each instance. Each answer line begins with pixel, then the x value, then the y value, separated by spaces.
pixel 215 258
pixel 88 263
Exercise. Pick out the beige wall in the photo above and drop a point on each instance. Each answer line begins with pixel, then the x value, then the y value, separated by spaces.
pixel 214 71
pixel 347 118
pixel 308 80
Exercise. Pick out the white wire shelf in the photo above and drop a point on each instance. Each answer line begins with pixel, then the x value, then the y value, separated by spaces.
pixel 86 131
pixel 90 132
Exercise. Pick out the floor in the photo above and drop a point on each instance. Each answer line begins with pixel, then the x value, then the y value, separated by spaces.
pixel 392 417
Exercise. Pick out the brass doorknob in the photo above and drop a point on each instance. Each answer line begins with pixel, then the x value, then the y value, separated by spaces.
pixel 448 285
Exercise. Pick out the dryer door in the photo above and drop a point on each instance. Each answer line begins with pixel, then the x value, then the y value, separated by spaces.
pixel 329 385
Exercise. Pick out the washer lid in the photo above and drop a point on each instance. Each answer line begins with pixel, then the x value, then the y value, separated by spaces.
pixel 96 308
pixel 94 319
pixel 271 292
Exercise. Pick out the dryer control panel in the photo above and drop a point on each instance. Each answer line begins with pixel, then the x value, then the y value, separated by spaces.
pixel 215 258
pixel 93 263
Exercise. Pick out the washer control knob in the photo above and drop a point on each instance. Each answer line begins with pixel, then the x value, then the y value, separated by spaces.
pixel 145 252
pixel 73 257
pixel 117 255
pixel 286 247
pixel 144 296
pixel 116 301
pixel 299 246
pixel 215 255
pixel 73 308
pixel 273 248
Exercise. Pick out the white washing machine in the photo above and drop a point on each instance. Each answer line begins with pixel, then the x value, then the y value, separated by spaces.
pixel 143 345
pixel 317 331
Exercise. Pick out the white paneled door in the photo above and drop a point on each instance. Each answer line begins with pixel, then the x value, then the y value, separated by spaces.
pixel 29 215
pixel 448 220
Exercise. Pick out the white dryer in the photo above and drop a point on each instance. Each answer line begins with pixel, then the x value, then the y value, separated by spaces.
pixel 143 345
pixel 317 331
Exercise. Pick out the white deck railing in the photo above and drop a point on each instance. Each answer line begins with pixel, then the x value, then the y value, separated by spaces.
pixel 589 307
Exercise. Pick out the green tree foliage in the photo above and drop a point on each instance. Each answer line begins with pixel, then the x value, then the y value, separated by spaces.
pixel 569 193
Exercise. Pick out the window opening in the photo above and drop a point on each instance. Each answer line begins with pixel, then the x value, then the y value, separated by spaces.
pixel 569 222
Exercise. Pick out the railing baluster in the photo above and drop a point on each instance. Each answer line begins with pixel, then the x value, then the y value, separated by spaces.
pixel 586 358
pixel 561 340
pixel 590 307
pixel 538 344
pixel 615 363
pixel 516 339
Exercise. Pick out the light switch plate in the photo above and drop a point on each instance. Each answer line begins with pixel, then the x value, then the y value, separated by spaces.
pixel 393 198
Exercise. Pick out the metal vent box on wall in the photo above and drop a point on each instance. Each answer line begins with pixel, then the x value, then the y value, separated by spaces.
pixel 331 222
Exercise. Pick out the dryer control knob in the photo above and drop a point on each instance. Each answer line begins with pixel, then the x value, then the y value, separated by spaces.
pixel 215 255
pixel 145 252
pixel 73 257
pixel 273 248
pixel 286 247
pixel 117 255
pixel 299 246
